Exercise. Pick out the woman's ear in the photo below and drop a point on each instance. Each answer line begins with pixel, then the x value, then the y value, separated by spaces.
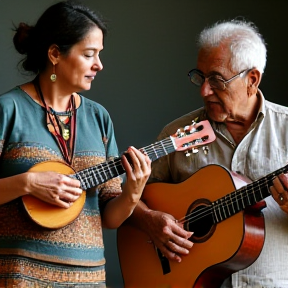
pixel 54 54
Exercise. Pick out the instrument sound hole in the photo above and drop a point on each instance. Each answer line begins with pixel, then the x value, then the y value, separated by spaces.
pixel 200 222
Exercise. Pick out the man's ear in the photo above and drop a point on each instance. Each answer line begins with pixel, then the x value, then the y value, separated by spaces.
pixel 253 79
pixel 54 54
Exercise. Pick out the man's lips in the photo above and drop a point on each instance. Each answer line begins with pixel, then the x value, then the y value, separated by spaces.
pixel 91 77
pixel 213 102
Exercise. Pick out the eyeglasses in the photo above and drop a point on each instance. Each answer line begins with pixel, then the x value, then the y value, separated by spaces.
pixel 215 81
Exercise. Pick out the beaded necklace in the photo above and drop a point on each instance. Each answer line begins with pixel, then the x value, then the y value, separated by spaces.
pixel 61 124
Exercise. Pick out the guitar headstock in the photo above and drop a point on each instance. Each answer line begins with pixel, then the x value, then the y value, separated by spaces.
pixel 192 136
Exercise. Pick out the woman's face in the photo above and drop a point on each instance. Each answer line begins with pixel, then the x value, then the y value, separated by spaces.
pixel 78 69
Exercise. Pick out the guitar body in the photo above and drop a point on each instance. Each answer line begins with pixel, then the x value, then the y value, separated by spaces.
pixel 48 215
pixel 218 251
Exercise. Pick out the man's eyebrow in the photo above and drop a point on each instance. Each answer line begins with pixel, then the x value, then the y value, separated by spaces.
pixel 215 73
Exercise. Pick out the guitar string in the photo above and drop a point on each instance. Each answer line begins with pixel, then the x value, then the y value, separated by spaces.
pixel 209 210
pixel 156 148
pixel 93 171
pixel 90 172
pixel 233 199
pixel 193 130
pixel 211 207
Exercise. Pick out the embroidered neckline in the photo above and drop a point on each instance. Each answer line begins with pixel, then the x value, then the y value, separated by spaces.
pixel 62 125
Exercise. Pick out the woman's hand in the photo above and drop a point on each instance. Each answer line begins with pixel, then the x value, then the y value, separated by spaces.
pixel 53 188
pixel 138 170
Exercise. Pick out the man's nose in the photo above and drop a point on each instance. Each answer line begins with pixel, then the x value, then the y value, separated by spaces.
pixel 205 89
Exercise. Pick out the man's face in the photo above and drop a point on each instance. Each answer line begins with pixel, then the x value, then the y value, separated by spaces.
pixel 230 104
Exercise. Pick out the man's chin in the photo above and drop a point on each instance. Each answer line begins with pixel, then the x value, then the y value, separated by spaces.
pixel 217 117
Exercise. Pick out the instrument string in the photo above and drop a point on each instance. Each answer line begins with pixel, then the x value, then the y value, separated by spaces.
pixel 158 149
pixel 239 196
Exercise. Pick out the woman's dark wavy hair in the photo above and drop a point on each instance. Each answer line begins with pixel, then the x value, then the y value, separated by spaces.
pixel 64 24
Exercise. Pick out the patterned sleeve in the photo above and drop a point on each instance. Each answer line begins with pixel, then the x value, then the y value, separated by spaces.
pixel 6 111
pixel 111 188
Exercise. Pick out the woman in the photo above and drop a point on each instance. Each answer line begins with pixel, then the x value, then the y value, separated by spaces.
pixel 47 120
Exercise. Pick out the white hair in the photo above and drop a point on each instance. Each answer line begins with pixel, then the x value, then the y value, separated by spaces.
pixel 247 46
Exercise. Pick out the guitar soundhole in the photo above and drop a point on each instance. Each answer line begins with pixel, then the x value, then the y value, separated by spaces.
pixel 200 221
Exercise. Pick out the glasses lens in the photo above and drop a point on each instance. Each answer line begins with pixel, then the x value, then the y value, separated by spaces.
pixel 196 78
pixel 216 82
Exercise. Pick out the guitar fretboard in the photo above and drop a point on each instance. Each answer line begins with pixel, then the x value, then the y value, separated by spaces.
pixel 105 171
pixel 244 197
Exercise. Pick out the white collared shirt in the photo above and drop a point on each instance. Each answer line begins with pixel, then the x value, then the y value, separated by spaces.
pixel 263 150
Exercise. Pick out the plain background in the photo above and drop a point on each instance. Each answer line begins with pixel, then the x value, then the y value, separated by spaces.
pixel 147 54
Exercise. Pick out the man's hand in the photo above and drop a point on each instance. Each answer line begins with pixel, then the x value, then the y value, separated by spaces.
pixel 168 235
pixel 279 191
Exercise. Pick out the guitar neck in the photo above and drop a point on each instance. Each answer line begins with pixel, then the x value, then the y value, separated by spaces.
pixel 105 171
pixel 244 197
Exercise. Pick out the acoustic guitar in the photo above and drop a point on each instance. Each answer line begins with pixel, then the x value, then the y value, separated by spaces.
pixel 228 228
pixel 53 217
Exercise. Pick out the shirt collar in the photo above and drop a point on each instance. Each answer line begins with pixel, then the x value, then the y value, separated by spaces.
pixel 262 107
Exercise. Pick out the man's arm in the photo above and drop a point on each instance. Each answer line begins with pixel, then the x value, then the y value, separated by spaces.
pixel 164 232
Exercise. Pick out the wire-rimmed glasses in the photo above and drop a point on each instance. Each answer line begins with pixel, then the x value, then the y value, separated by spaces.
pixel 215 81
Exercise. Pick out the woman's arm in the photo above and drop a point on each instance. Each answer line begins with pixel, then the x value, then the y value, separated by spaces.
pixel 13 187
pixel 51 187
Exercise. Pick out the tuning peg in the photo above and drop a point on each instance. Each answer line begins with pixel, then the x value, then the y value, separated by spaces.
pixel 190 130
pixel 205 149
pixel 179 133
pixel 195 121
pixel 195 150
